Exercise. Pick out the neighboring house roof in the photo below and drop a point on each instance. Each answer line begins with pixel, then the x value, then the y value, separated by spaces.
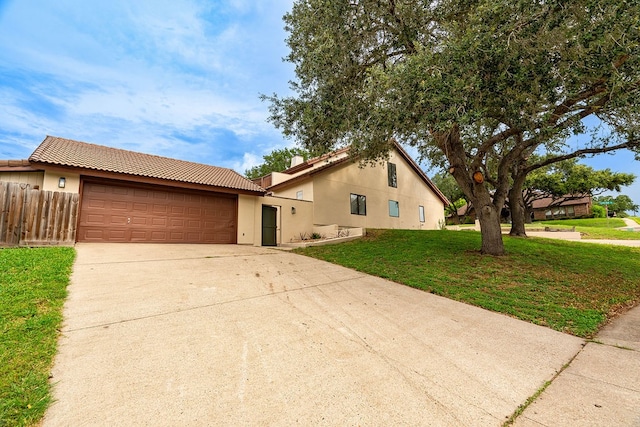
pixel 76 154
pixel 547 201
pixel 311 170
pixel 537 204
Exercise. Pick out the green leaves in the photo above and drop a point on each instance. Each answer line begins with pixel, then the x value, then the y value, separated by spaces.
pixel 276 161
pixel 571 178
pixel 480 84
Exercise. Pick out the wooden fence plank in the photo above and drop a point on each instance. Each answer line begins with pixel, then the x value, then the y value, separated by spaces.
pixel 35 217
pixel 4 210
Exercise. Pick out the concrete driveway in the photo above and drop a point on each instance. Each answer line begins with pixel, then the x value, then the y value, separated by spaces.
pixel 234 335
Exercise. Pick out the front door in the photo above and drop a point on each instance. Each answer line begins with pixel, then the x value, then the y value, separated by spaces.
pixel 269 226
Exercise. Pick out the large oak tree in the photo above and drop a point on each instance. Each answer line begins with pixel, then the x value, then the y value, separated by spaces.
pixel 477 86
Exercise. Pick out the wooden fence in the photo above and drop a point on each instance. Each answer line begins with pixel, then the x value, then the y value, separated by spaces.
pixel 35 218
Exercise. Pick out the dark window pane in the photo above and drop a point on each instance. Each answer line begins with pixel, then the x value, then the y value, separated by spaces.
pixel 391 175
pixel 358 204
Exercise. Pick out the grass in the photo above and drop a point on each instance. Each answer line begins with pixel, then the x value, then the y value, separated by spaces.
pixel 570 287
pixel 595 228
pixel 33 285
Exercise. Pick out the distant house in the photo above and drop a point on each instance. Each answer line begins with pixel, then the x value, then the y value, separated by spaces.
pixel 393 194
pixel 549 208
pixel 545 208
pixel 126 196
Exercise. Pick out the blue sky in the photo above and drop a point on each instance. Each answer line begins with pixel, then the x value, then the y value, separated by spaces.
pixel 177 78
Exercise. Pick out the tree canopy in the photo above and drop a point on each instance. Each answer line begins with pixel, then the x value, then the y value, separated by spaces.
pixel 477 86
pixel 276 161
pixel 621 204
pixel 570 180
pixel 448 186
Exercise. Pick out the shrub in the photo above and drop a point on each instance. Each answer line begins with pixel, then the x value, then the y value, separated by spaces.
pixel 598 211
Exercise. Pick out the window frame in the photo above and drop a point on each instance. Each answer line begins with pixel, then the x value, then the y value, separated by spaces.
pixel 394 207
pixel 421 214
pixel 360 204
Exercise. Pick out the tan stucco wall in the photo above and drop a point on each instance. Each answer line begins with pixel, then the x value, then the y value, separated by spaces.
pixel 31 178
pixel 332 197
pixel 278 177
pixel 51 178
pixel 306 187
pixel 290 225
pixel 246 219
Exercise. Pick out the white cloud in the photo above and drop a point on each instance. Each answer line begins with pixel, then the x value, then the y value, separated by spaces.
pixel 174 78
pixel 249 160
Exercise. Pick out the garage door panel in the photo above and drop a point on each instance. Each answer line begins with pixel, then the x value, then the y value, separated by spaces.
pixel 115 220
pixel 116 234
pixel 177 210
pixel 159 209
pixel 158 221
pixel 96 204
pixel 121 213
pixel 159 236
pixel 140 207
pixel 140 220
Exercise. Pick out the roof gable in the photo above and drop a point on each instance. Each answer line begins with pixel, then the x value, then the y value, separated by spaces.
pixel 326 163
pixel 76 154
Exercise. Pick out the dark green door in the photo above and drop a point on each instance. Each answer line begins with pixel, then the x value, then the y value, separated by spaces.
pixel 269 226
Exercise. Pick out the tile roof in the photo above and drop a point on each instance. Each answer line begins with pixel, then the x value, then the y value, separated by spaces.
pixel 21 165
pixel 67 152
pixel 560 201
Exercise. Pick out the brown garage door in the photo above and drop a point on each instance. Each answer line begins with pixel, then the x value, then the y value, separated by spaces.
pixel 120 212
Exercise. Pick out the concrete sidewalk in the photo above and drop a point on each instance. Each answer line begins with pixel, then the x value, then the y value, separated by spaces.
pixel 168 335
pixel 600 387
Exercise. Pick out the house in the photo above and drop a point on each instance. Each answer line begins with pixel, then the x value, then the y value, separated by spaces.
pixel 550 208
pixel 126 196
pixel 393 194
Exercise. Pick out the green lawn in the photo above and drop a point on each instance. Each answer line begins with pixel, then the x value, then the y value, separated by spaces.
pixel 32 291
pixel 567 286
pixel 594 228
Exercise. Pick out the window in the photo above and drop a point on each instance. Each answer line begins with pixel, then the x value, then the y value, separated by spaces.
pixel 558 212
pixel 358 204
pixel 394 208
pixel 299 195
pixel 391 175
pixel 421 213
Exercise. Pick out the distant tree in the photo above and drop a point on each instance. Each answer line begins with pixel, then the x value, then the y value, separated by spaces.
pixel 620 204
pixel 570 180
pixel 276 161
pixel 449 187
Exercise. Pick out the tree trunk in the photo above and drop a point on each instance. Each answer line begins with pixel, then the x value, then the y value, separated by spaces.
pixel 518 212
pixel 528 214
pixel 475 190
pixel 489 217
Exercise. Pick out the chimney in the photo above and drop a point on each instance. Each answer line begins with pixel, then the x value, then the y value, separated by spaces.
pixel 297 160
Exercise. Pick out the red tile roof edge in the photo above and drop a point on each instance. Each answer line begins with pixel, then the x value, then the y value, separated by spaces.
pixel 70 153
